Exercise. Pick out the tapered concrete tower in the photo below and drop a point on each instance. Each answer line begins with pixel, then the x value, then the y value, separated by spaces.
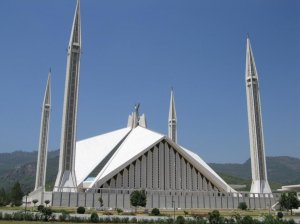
pixel 257 149
pixel 40 177
pixel 66 179
pixel 172 133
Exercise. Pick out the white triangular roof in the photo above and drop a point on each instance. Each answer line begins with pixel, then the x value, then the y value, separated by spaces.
pixel 136 143
pixel 90 152
pixel 131 143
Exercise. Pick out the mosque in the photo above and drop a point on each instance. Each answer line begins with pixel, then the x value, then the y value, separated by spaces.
pixel 114 164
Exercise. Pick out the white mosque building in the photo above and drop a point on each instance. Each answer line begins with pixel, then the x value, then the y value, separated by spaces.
pixel 114 164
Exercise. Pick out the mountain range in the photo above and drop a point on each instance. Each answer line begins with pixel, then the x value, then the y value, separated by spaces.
pixel 21 166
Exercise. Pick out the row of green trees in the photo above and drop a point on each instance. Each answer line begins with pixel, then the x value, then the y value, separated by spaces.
pixel 12 197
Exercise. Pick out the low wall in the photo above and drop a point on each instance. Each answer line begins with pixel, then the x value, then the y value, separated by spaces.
pixel 119 198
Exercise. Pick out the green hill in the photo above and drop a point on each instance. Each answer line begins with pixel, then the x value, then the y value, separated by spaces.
pixel 282 170
pixel 21 166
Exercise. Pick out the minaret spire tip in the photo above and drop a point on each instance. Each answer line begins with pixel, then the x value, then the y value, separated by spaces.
pixel 172 124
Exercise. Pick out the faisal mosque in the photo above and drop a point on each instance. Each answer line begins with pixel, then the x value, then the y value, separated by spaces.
pixel 114 164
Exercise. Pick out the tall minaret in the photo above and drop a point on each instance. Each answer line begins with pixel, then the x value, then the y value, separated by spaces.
pixel 66 179
pixel 40 177
pixel 257 149
pixel 172 133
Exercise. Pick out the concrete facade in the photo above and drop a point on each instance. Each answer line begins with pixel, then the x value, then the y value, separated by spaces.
pixel 155 165
pixel 120 198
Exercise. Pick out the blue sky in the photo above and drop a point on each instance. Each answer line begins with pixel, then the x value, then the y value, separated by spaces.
pixel 135 51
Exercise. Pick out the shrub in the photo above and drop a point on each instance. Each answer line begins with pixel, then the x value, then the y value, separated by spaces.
pixel 133 220
pixel 7 216
pixel 155 212
pixel 247 220
pixel 242 206
pixel 94 217
pixel 47 202
pixel 180 219
pixel 46 213
pixel 107 220
pixel 76 219
pixel 198 217
pixel 64 216
pixel 170 220
pixel 291 221
pixel 236 217
pixel 40 208
pixel 29 216
pixel 185 213
pixel 80 210
pixel 115 219
pixel 21 215
pixel 279 215
pixel 125 220
pixel 214 217
pixel 1 216
pixel 18 216
pixel 119 211
pixel 34 201
pixel 37 216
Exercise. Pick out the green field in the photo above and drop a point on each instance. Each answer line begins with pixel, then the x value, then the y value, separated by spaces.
pixel 33 222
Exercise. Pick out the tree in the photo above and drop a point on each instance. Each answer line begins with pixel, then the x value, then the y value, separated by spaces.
pixel 34 201
pixel 155 211
pixel 80 210
pixel 180 219
pixel 94 217
pixel 138 198
pixel 3 198
pixel 248 220
pixel 46 213
pixel 47 202
pixel 119 211
pixel 16 195
pixel 242 206
pixel 279 215
pixel 289 201
pixel 215 217
pixel 40 208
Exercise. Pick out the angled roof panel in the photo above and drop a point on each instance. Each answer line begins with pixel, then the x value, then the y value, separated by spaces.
pixel 208 171
pixel 139 140
pixel 90 152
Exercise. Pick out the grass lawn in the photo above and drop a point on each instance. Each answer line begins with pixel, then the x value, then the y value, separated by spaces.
pixel 164 212
pixel 33 222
